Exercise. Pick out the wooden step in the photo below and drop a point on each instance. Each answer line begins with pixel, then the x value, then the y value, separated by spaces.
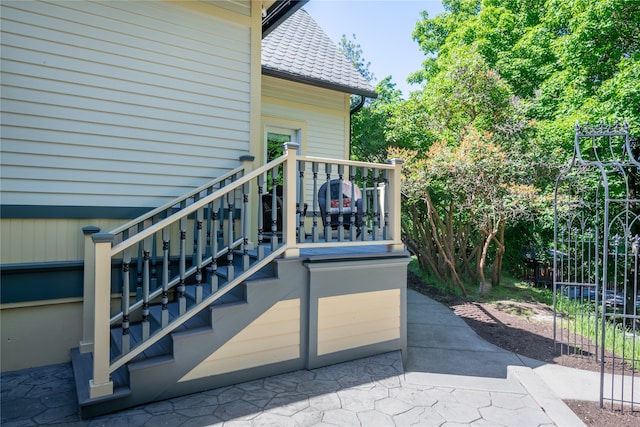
pixel 82 364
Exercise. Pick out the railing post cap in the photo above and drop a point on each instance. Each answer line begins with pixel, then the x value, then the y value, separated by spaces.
pixel 90 229
pixel 247 158
pixel 290 146
pixel 103 238
pixel 395 161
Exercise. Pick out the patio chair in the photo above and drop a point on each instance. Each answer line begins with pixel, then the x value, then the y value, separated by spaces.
pixel 349 207
pixel 267 206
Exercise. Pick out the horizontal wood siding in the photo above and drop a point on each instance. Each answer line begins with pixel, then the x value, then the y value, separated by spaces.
pixel 119 103
pixel 323 110
pixel 45 240
pixel 272 337
pixel 356 320
pixel 240 6
pixel 39 336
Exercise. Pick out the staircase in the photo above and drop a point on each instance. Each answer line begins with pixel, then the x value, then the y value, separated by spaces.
pixel 164 318
pixel 155 373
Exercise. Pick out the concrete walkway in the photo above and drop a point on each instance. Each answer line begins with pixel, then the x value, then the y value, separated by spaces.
pixel 451 378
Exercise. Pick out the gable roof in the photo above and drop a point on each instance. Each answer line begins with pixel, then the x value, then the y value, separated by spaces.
pixel 300 51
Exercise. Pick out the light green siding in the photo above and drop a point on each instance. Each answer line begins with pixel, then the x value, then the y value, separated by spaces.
pixel 155 92
pixel 324 111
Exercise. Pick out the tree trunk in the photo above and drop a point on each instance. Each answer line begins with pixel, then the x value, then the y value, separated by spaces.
pixel 420 241
pixel 433 217
pixel 497 264
pixel 485 288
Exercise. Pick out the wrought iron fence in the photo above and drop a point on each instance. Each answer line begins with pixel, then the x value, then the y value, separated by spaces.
pixel 596 228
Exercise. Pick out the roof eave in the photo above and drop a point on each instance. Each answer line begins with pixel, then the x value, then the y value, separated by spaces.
pixel 278 13
pixel 317 82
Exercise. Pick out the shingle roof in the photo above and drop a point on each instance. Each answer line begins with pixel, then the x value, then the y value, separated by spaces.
pixel 299 50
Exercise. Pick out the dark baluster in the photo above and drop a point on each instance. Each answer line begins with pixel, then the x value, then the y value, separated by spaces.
pixel 300 203
pixel 194 252
pixel 209 225
pixel 230 238
pixel 376 212
pixel 213 270
pixel 164 316
pixel 315 207
pixel 340 204
pixel 198 254
pixel 154 256
pixel 146 327
pixel 126 263
pixel 221 233
pixel 260 217
pixel 245 227
pixel 139 267
pixel 274 208
pixel 327 204
pixel 362 229
pixel 385 205
pixel 352 216
pixel 182 301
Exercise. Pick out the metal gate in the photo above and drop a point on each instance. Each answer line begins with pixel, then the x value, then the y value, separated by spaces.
pixel 596 245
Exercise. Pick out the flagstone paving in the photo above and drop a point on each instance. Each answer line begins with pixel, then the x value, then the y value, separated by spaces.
pixel 374 391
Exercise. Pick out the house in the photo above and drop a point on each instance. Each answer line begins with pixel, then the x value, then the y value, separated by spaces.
pixel 146 236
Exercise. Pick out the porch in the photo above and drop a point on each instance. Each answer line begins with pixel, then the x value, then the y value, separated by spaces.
pixel 259 272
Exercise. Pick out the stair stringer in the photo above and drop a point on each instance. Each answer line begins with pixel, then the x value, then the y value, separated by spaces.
pixel 159 379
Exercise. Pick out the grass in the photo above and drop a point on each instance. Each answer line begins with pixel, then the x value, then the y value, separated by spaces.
pixel 582 316
pixel 510 289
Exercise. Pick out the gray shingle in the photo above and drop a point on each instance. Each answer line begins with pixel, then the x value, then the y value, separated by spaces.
pixel 299 50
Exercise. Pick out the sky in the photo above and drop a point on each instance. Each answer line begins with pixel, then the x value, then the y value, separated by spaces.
pixel 383 30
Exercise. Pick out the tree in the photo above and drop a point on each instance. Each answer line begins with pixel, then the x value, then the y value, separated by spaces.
pixel 369 142
pixel 432 34
pixel 354 54
pixel 459 200
pixel 503 84
pixel 558 56
pixel 560 62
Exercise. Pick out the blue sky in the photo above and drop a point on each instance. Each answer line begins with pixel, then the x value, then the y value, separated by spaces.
pixel 383 30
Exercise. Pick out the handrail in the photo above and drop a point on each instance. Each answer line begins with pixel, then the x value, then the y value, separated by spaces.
pixel 176 201
pixel 344 162
pixel 194 207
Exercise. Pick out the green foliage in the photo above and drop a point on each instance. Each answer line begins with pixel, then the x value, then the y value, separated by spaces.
pixel 569 61
pixel 514 77
pixel 458 201
pixel 525 72
pixel 513 289
pixel 369 141
pixel 354 54
pixel 582 318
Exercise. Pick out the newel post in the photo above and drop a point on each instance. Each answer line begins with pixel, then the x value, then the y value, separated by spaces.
pixel 290 180
pixel 86 344
pixel 394 201
pixel 101 384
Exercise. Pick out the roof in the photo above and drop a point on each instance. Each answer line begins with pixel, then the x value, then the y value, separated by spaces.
pixel 276 12
pixel 299 50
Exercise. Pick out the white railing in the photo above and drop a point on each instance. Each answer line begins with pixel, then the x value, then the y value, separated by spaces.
pixel 218 219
